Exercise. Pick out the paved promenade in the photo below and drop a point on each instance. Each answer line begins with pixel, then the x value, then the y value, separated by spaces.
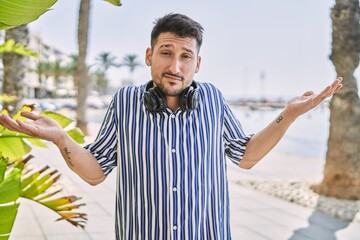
pixel 254 215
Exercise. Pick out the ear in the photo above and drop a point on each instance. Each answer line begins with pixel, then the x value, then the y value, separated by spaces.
pixel 148 56
pixel 198 64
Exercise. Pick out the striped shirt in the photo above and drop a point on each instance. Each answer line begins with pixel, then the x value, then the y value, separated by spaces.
pixel 171 168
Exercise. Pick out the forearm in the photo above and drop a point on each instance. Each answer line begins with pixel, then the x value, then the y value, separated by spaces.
pixel 262 142
pixel 80 161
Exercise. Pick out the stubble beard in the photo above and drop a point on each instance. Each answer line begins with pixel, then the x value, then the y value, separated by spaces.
pixel 170 90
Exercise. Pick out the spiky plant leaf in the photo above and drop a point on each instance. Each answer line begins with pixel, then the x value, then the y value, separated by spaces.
pixel 39 186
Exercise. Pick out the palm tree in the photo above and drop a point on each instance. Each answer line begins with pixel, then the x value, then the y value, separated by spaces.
pixel 342 168
pixel 43 70
pixel 70 69
pixel 57 71
pixel 15 66
pixel 104 61
pixel 81 70
pixel 131 61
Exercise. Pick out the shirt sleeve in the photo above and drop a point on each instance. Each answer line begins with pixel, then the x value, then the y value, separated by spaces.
pixel 235 139
pixel 104 148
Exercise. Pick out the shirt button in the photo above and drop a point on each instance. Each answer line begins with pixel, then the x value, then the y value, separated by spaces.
pixel 173 150
pixel 174 227
pixel 174 189
pixel 172 116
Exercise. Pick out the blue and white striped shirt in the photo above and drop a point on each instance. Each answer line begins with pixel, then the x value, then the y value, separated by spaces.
pixel 171 168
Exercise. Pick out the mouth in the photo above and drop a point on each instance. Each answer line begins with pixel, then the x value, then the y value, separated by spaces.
pixel 172 76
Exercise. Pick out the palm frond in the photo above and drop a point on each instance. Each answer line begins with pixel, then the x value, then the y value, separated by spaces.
pixel 40 186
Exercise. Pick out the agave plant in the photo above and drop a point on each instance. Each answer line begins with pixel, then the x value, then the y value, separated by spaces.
pixel 18 180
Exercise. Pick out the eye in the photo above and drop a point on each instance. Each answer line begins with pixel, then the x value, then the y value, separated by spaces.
pixel 187 56
pixel 166 53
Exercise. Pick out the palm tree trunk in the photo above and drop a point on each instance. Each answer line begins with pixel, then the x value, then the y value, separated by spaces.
pixel 15 67
pixel 81 69
pixel 342 168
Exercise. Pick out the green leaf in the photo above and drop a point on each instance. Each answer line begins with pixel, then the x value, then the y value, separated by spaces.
pixel 6 223
pixel 59 118
pixel 10 187
pixel 3 164
pixel 77 135
pixel 7 98
pixel 15 13
pixel 114 2
pixel 37 142
pixel 13 147
pixel 39 184
pixel 36 186
pixel 10 47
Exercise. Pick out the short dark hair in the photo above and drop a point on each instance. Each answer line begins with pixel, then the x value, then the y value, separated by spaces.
pixel 179 24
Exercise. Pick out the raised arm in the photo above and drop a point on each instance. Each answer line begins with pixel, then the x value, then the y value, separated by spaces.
pixel 262 142
pixel 76 157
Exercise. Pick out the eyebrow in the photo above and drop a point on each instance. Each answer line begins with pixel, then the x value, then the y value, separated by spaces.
pixel 172 46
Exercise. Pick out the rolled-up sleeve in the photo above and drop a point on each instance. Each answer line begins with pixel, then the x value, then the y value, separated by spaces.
pixel 104 148
pixel 235 139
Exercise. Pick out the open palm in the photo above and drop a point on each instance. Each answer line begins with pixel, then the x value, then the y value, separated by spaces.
pixel 37 126
pixel 309 99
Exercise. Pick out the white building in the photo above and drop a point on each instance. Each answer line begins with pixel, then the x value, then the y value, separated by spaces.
pixel 45 86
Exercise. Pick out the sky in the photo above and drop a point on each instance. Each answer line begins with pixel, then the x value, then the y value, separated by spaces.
pixel 257 48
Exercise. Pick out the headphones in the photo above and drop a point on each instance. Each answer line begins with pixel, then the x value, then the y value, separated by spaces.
pixel 155 100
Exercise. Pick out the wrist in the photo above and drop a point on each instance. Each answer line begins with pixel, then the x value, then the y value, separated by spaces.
pixel 61 139
pixel 285 117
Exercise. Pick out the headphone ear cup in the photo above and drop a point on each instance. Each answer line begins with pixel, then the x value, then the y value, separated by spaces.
pixel 154 100
pixel 193 100
pixel 189 98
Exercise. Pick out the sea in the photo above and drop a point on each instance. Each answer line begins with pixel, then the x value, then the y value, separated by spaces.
pixel 307 136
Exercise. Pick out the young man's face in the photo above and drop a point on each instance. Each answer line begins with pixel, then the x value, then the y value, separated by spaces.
pixel 174 61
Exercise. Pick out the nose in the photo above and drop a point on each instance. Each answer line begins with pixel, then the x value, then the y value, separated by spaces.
pixel 175 66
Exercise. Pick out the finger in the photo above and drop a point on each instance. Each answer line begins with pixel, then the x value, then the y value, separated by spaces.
pixel 338 88
pixel 324 93
pixel 9 123
pixel 26 128
pixel 30 115
pixel 308 93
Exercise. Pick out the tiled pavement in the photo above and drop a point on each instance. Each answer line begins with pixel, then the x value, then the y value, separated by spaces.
pixel 254 215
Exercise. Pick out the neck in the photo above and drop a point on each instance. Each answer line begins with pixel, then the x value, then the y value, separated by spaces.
pixel 173 102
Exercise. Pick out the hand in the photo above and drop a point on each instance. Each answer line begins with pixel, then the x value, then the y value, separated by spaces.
pixel 37 126
pixel 301 104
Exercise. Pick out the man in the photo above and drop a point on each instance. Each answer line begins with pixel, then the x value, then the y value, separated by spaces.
pixel 168 140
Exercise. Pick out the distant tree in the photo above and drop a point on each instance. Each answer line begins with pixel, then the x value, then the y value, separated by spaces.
pixel 15 67
pixel 57 71
pixel 70 69
pixel 104 61
pixel 131 61
pixel 43 70
pixel 342 168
